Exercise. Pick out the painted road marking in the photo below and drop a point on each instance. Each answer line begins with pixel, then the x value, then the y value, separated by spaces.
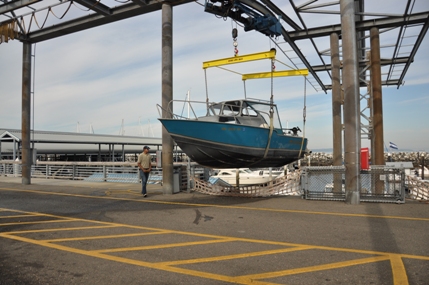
pixel 398 269
pixel 159 246
pixel 217 206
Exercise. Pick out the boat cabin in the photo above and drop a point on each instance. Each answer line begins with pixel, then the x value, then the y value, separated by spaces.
pixel 243 112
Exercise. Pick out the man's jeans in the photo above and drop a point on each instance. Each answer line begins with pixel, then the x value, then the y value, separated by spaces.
pixel 144 177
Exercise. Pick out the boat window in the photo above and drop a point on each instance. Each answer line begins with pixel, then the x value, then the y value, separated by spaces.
pixel 264 111
pixel 231 108
pixel 215 109
pixel 248 111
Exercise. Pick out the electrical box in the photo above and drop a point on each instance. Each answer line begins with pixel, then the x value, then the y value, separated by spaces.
pixel 364 158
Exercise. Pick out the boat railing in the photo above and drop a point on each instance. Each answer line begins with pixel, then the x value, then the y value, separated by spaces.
pixel 169 113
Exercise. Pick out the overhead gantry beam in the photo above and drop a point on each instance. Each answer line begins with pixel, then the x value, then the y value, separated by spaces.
pixel 281 73
pixel 96 6
pixel 240 59
pixel 325 31
pixel 94 20
pixel 283 15
pixel 414 51
pixel 16 4
pixel 141 3
pixel 383 62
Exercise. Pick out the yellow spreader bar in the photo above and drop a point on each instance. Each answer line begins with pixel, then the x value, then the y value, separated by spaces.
pixel 239 59
pixel 282 73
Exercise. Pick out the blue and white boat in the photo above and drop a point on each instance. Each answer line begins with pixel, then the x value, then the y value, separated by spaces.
pixel 236 134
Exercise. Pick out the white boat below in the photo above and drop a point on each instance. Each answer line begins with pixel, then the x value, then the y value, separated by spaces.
pixel 418 172
pixel 246 176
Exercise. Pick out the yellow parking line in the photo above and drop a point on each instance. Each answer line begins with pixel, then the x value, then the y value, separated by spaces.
pixel 235 256
pixel 134 193
pixel 220 206
pixel 106 236
pixel 17 216
pixel 109 224
pixel 35 222
pixel 398 269
pixel 315 268
pixel 159 246
pixel 127 260
pixel 60 229
pixel 399 273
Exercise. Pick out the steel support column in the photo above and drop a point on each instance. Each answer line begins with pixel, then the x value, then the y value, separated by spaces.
pixel 377 138
pixel 377 102
pixel 167 96
pixel 26 113
pixel 351 103
pixel 336 109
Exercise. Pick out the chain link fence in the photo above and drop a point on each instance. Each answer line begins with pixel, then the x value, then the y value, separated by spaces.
pixel 379 184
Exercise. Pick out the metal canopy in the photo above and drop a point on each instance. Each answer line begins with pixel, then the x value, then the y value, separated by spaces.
pixel 77 138
pixel 408 25
pixel 302 26
pixel 49 142
pixel 39 20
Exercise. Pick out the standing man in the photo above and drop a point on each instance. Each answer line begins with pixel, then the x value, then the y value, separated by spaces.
pixel 145 166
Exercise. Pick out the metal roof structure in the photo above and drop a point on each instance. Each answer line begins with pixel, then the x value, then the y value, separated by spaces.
pixel 402 29
pixel 47 142
pixel 310 24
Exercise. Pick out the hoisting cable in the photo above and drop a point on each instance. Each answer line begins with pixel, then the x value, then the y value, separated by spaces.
pixel 234 34
pixel 304 114
pixel 271 109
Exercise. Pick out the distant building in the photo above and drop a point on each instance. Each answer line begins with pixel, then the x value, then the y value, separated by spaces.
pixel 67 146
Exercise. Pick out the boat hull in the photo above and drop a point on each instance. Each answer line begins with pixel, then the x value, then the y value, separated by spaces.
pixel 223 145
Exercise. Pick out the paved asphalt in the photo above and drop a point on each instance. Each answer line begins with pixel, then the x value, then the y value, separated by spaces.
pixel 70 232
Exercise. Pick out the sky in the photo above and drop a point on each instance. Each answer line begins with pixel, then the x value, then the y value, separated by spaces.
pixel 105 77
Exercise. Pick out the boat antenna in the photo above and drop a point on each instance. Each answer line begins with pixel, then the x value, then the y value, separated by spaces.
pixel 244 83
pixel 207 91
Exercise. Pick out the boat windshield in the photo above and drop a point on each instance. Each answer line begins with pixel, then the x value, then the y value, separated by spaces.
pixel 264 111
pixel 215 109
pixel 246 108
pixel 230 108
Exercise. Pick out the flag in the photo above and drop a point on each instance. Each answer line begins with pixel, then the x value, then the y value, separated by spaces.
pixel 393 145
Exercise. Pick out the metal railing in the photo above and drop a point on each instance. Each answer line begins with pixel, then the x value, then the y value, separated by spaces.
pixel 87 171
pixel 380 184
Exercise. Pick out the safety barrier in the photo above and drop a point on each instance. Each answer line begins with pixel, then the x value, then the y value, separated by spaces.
pixel 283 185
pixel 417 189
pixel 379 184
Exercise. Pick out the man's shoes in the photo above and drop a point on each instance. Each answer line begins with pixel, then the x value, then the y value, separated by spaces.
pixel 144 195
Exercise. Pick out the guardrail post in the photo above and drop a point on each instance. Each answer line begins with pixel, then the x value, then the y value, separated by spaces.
pixel 188 176
pixel 74 172
pixel 104 173
pixel 15 170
